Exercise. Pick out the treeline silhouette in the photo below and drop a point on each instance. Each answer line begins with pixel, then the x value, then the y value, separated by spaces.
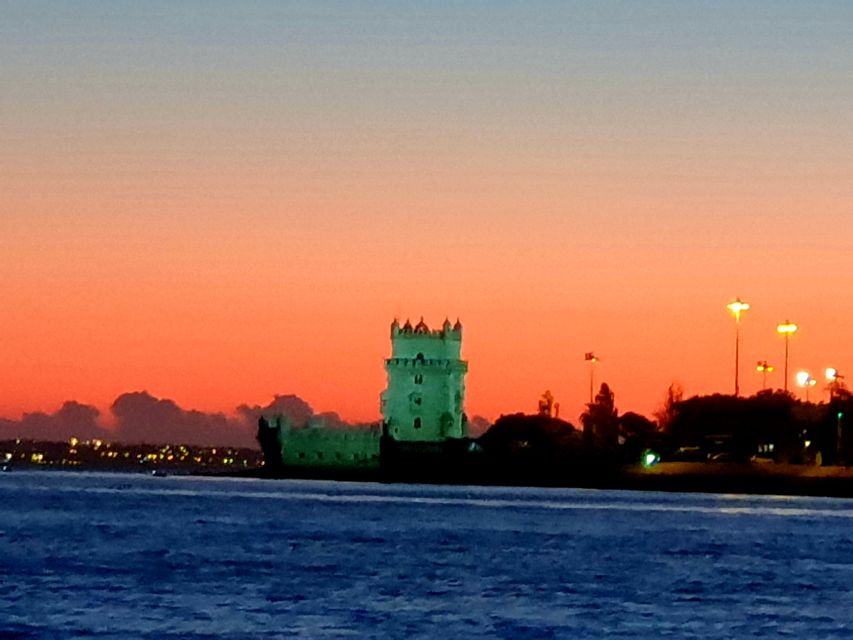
pixel 771 426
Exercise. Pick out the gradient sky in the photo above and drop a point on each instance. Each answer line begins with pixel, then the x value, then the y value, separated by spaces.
pixel 219 201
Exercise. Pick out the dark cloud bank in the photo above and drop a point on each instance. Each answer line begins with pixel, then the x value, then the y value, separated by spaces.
pixel 140 417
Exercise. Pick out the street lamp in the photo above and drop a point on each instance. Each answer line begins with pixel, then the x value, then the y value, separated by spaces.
pixel 786 329
pixel 834 379
pixel 590 357
pixel 737 307
pixel 763 367
pixel 805 380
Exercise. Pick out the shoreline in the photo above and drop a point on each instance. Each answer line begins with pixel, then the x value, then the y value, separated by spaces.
pixel 670 477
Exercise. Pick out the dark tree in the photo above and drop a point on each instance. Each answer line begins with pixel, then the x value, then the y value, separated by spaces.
pixel 666 414
pixel 637 433
pixel 601 421
pixel 737 427
pixel 523 445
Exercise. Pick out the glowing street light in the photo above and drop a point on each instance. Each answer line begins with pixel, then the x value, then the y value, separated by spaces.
pixel 590 357
pixel 737 307
pixel 805 380
pixel 763 367
pixel 834 379
pixel 787 329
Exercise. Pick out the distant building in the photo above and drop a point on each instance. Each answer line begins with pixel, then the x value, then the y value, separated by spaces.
pixel 425 398
pixel 423 403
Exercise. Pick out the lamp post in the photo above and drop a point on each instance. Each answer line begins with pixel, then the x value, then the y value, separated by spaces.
pixel 834 379
pixel 763 367
pixel 786 329
pixel 805 380
pixel 590 357
pixel 835 388
pixel 737 307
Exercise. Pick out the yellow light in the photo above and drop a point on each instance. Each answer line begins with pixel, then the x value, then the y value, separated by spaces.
pixel 74 441
pixel 804 379
pixel 787 328
pixel 737 307
pixel 831 373
pixel 763 367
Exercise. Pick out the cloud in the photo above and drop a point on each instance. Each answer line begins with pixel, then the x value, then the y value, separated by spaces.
pixel 295 408
pixel 72 419
pixel 141 417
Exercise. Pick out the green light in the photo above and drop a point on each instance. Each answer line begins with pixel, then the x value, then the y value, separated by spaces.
pixel 840 415
pixel 650 458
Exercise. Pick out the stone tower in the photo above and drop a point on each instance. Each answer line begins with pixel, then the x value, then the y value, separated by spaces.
pixel 425 398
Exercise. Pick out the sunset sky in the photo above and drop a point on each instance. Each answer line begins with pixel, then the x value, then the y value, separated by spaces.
pixel 218 202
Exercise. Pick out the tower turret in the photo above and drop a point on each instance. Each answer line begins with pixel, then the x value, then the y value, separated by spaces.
pixel 424 400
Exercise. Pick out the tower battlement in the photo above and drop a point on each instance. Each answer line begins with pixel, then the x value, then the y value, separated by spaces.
pixel 421 329
pixel 424 400
pixel 421 342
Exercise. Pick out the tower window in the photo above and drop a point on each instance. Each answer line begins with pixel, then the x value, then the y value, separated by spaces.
pixel 417 423
pixel 419 378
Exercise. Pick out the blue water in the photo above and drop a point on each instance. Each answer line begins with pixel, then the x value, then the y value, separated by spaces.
pixel 123 556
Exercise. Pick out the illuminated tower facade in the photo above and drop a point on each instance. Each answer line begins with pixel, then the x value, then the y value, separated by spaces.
pixel 425 397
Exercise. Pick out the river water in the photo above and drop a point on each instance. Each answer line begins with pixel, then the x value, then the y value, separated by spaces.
pixel 131 556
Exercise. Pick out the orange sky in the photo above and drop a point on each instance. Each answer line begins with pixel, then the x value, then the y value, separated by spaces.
pixel 236 216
